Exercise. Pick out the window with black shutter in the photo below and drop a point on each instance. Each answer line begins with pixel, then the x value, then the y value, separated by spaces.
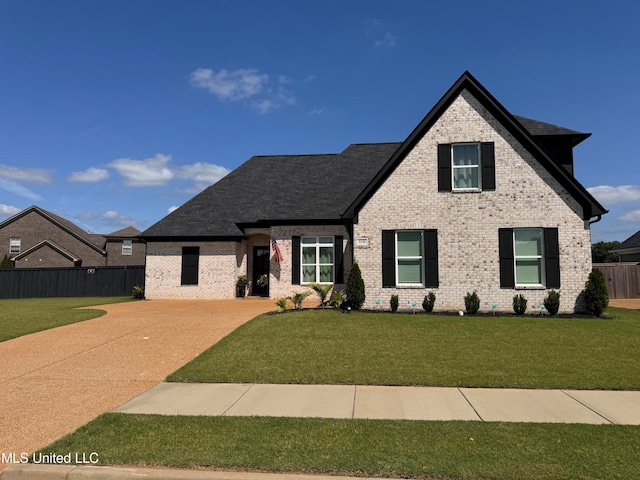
pixel 529 257
pixel 466 167
pixel 410 258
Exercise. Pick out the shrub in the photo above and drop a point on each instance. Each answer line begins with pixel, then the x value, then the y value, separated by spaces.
pixel 394 303
pixel 472 302
pixel 138 292
pixel 337 299
pixel 298 297
pixel 552 302
pixel 355 288
pixel 6 263
pixel 519 304
pixel 281 303
pixel 595 293
pixel 322 290
pixel 428 302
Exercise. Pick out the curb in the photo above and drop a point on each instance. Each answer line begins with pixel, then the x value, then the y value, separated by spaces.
pixel 82 472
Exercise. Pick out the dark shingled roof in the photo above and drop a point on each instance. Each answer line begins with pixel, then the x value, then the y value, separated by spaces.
pixel 271 189
pixel 632 242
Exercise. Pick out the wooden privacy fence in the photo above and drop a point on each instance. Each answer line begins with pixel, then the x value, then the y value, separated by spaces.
pixel 622 279
pixel 70 282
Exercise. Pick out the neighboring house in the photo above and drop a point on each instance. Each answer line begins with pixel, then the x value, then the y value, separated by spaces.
pixel 629 250
pixel 474 199
pixel 36 238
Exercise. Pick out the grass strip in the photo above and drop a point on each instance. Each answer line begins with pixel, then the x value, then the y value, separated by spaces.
pixel 413 449
pixel 327 347
pixel 29 315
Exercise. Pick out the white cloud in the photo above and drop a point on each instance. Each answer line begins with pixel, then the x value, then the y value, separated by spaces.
pixel 203 174
pixel 612 195
pixel 317 111
pixel 19 190
pixel 265 94
pixel 389 41
pixel 152 171
pixel 235 85
pixel 632 216
pixel 172 208
pixel 111 220
pixel 8 210
pixel 90 175
pixel 26 175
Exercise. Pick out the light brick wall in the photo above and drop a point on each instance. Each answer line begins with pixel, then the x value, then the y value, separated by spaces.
pixel 280 273
pixel 220 265
pixel 526 195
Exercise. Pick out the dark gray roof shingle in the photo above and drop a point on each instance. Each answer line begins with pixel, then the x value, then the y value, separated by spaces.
pixel 293 188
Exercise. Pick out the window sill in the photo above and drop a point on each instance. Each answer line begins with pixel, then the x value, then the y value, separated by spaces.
pixel 530 287
pixel 466 190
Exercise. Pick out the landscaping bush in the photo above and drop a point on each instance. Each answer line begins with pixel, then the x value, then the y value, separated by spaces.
pixel 138 292
pixel 519 304
pixel 552 302
pixel 281 303
pixel 298 297
pixel 6 263
pixel 595 293
pixel 337 299
pixel 394 303
pixel 428 302
pixel 322 290
pixel 472 302
pixel 355 288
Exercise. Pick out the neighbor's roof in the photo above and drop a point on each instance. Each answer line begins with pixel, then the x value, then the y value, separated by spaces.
pixel 286 189
pixel 128 232
pixel 633 242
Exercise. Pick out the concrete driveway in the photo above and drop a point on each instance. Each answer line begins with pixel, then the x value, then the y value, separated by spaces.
pixel 55 381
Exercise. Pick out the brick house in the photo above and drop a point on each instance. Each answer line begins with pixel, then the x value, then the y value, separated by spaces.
pixel 36 238
pixel 474 199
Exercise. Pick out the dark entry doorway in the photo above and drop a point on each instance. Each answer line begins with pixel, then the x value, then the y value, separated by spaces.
pixel 260 267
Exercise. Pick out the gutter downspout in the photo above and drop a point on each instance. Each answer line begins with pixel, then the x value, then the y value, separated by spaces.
pixel 596 220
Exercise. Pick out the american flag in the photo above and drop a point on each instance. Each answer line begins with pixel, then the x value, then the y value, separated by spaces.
pixel 277 256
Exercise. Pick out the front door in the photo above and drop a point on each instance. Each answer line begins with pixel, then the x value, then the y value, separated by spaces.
pixel 261 257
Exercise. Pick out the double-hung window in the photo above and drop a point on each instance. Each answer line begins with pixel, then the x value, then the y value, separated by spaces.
pixel 528 257
pixel 465 166
pixel 317 259
pixel 14 245
pixel 127 247
pixel 409 257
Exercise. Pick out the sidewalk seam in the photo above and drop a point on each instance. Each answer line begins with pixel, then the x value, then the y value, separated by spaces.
pixel 470 404
pixel 353 409
pixel 223 414
pixel 588 407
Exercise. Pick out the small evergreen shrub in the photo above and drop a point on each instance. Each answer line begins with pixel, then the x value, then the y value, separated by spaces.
pixel 355 288
pixel 552 302
pixel 519 304
pixel 428 302
pixel 6 263
pixel 138 292
pixel 472 302
pixel 394 303
pixel 595 293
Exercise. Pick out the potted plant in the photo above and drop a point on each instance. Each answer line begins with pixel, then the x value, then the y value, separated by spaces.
pixel 241 286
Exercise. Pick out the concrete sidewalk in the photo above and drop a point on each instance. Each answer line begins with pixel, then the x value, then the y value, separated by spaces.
pixel 379 402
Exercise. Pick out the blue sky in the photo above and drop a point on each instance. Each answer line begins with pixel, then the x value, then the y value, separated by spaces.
pixel 114 112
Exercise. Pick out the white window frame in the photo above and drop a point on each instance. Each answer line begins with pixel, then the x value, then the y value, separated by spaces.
pixel 317 244
pixel 15 243
pixel 539 257
pixel 420 257
pixel 127 247
pixel 455 167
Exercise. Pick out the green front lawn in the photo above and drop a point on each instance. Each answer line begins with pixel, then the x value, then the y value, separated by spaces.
pixel 328 347
pixel 29 315
pixel 415 449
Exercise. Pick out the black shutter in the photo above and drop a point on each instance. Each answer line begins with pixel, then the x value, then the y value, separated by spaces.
pixel 338 266
pixel 190 265
pixel 552 257
pixel 487 158
pixel 444 167
pixel 388 258
pixel 431 258
pixel 505 239
pixel 295 260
